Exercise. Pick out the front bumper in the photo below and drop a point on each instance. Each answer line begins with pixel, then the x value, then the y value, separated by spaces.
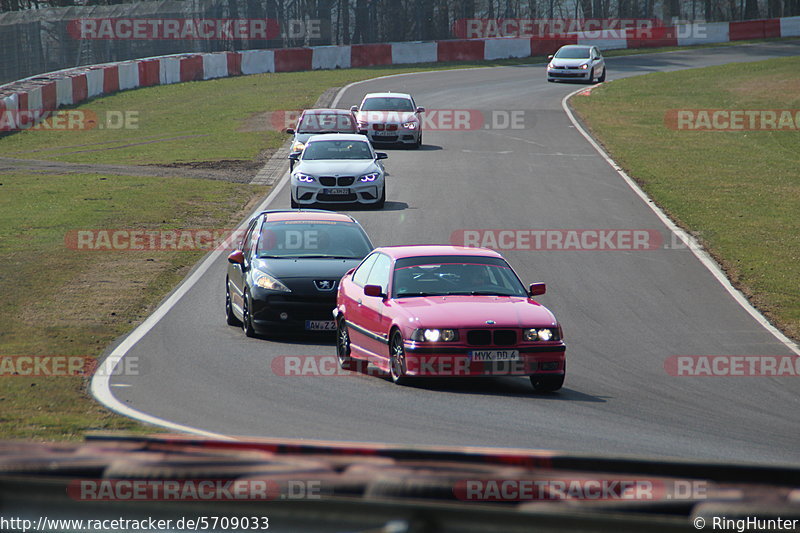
pixel 267 309
pixel 359 193
pixel 569 74
pixel 400 136
pixel 427 361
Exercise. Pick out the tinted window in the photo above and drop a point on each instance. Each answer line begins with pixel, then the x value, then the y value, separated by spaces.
pixel 573 53
pixel 313 239
pixel 326 123
pixel 387 104
pixel 362 272
pixel 247 240
pixel 455 275
pixel 337 150
pixel 380 273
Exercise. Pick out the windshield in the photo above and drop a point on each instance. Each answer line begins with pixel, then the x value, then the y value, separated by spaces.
pixel 337 150
pixel 294 239
pixel 455 276
pixel 573 53
pixel 387 104
pixel 326 123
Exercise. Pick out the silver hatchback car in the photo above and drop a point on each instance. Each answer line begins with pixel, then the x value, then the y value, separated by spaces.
pixel 577 62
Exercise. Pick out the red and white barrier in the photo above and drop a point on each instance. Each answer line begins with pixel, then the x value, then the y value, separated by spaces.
pixel 790 27
pixel 73 86
pixel 506 48
pixel 330 57
pixel 417 52
pixel 215 66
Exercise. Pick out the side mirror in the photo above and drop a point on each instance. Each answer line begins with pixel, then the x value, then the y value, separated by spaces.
pixel 290 131
pixel 294 156
pixel 550 56
pixel 420 109
pixel 537 288
pixel 354 109
pixel 373 290
pixel 381 155
pixel 236 257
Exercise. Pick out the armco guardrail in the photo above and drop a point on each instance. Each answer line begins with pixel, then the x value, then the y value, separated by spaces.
pixel 23 103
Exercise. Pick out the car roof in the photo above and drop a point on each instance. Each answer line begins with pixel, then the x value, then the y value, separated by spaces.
pixel 388 95
pixel 327 111
pixel 425 250
pixel 577 46
pixel 311 215
pixel 338 137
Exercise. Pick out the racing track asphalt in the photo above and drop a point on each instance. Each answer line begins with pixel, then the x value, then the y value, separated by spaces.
pixel 623 312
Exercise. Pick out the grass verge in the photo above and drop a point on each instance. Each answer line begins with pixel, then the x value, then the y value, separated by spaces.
pixel 62 301
pixel 738 191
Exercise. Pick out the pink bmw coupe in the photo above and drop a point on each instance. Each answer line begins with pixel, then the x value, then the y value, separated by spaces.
pixel 434 311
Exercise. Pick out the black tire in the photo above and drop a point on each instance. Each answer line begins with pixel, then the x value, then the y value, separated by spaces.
pixel 547 383
pixel 343 345
pixel 602 77
pixel 247 319
pixel 397 360
pixel 294 204
pixel 382 200
pixel 419 142
pixel 230 317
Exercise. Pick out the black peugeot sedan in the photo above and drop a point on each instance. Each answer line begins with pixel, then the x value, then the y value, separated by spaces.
pixel 285 274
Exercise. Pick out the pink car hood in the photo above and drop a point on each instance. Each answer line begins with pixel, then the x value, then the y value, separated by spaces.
pixel 473 311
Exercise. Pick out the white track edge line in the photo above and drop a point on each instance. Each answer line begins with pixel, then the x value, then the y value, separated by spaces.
pixel 100 384
pixel 687 239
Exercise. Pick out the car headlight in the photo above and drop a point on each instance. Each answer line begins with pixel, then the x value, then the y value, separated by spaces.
pixel 435 335
pixel 298 147
pixel 410 125
pixel 265 281
pixel 584 66
pixel 550 65
pixel 370 177
pixel 362 125
pixel 540 334
pixel 305 178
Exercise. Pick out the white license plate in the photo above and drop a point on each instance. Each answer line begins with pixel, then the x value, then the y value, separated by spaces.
pixel 320 325
pixel 336 191
pixel 384 133
pixel 494 355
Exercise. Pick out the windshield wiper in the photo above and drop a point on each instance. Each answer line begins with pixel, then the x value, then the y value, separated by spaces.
pixel 319 257
pixel 480 293
pixel 423 294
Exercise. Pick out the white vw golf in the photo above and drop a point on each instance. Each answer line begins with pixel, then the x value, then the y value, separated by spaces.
pixel 338 169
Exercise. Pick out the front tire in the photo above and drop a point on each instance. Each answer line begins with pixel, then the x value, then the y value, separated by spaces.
pixel 294 204
pixel 382 200
pixel 343 345
pixel 602 77
pixel 397 360
pixel 247 319
pixel 230 317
